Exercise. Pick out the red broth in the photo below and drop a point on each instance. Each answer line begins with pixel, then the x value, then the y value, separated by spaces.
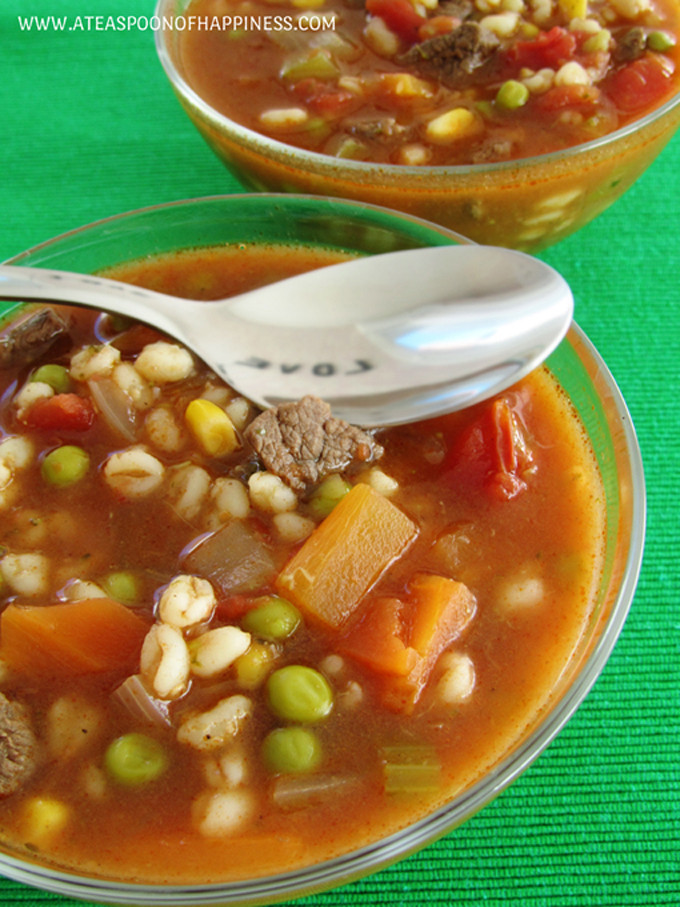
pixel 446 83
pixel 447 647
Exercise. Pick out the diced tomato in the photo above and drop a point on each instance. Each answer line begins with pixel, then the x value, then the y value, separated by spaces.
pixel 62 412
pixel 568 96
pixel 323 99
pixel 332 104
pixel 492 453
pixel 641 84
pixel 550 50
pixel 437 25
pixel 399 16
pixel 234 606
pixel 378 639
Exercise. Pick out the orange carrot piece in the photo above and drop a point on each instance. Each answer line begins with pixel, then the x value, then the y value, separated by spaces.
pixel 84 637
pixel 442 609
pixel 377 639
pixel 345 555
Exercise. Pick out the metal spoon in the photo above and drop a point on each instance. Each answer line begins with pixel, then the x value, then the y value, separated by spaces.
pixel 385 339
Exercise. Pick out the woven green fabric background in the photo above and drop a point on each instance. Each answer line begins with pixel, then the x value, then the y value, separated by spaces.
pixel 89 128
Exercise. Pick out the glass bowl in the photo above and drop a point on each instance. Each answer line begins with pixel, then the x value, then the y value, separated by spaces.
pixel 346 226
pixel 527 204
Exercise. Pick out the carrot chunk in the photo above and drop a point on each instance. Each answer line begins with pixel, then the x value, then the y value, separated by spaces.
pixel 401 640
pixel 84 637
pixel 345 556
pixel 442 609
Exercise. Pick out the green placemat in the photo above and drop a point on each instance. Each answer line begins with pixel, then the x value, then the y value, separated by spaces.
pixel 90 128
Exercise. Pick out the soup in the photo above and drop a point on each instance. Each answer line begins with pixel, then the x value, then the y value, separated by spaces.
pixel 218 625
pixel 433 83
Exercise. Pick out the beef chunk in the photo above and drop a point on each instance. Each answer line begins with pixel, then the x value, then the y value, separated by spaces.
pixel 493 151
pixel 456 57
pixel 302 442
pixel 376 129
pixel 18 746
pixel 30 337
pixel 630 45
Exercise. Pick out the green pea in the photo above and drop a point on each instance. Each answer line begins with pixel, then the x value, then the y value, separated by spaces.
pixel 660 41
pixel 122 586
pixel 56 376
pixel 512 94
pixel 299 693
pixel 65 465
pixel 274 618
pixel 135 759
pixel 326 495
pixel 292 750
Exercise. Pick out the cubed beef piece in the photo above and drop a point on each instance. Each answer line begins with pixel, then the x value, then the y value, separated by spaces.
pixel 30 337
pixel 302 442
pixel 18 746
pixel 630 45
pixel 456 57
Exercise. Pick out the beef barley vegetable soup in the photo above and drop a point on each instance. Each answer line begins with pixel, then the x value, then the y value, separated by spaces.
pixel 433 82
pixel 218 625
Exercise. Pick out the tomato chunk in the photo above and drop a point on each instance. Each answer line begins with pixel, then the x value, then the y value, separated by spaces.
pixel 568 96
pixel 641 84
pixel 62 412
pixel 323 99
pixel 399 16
pixel 549 50
pixel 493 453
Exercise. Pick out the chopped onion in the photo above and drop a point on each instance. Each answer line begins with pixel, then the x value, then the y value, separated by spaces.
pixel 411 769
pixel 133 696
pixel 235 558
pixel 115 407
pixel 292 792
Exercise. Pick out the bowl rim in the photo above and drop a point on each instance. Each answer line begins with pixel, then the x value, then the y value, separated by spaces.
pixel 400 844
pixel 327 164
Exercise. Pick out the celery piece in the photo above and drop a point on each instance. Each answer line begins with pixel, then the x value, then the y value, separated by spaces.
pixel 351 148
pixel 410 769
pixel 317 65
pixel 317 128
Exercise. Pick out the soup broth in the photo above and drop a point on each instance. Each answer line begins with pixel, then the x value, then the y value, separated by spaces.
pixel 209 651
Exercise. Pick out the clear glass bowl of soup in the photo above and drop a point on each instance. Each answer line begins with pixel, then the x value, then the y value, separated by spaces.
pixel 128 850
pixel 528 203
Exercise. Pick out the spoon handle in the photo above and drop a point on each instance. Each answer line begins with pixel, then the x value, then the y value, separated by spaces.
pixel 22 284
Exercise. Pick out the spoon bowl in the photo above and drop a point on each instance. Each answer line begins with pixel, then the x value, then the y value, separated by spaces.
pixel 385 340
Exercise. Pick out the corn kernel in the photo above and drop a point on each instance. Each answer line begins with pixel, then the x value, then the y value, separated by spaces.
pixel 254 665
pixel 405 85
pixel 212 427
pixel 573 9
pixel 44 817
pixel 455 124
